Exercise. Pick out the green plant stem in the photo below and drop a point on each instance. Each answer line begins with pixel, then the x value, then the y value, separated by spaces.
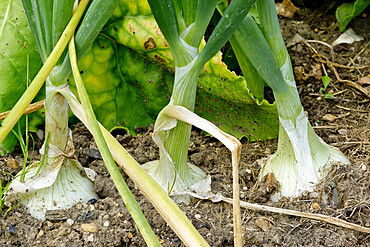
pixel 56 120
pixel 288 102
pixel 35 20
pixel 204 12
pixel 122 187
pixel 189 65
pixel 45 10
pixel 56 117
pixel 226 27
pixel 177 143
pixel 37 82
pixel 62 12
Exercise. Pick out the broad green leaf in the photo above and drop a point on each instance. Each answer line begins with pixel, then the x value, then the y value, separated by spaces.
pixel 16 42
pixel 347 11
pixel 223 98
pixel 125 88
pixel 142 34
pixel 129 76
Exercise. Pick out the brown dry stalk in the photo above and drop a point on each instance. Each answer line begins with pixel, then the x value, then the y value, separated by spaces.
pixel 360 52
pixel 351 109
pixel 327 61
pixel 322 59
pixel 312 216
pixel 31 108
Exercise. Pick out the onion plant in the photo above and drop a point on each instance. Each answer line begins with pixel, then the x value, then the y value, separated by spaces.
pixel 302 158
pixel 43 187
pixel 183 24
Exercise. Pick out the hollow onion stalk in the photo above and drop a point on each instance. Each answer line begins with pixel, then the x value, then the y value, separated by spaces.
pixel 302 158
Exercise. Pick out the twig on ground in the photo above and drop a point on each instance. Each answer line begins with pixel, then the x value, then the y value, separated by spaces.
pixel 349 143
pixel 328 62
pixel 340 92
pixel 312 216
pixel 323 43
pixel 359 53
pixel 326 127
pixel 322 59
pixel 354 65
pixel 332 97
pixel 351 109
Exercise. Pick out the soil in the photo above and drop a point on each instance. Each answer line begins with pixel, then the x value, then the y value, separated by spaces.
pixel 342 122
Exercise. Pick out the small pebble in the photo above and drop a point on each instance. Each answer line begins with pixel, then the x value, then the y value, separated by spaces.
pixel 92 201
pixel 105 217
pixel 12 163
pixel 363 167
pixel 315 205
pixel 90 238
pixel 197 216
pixel 89 227
pixel 343 131
pixel 11 229
pixel 245 188
pixel 106 223
pixel 316 30
pixel 41 233
pixel 70 222
pixel 119 214
pixel 242 195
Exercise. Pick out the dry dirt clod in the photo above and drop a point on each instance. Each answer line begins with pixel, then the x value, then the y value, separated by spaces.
pixel 12 163
pixel 70 222
pixel 89 227
pixel 329 117
pixel 263 224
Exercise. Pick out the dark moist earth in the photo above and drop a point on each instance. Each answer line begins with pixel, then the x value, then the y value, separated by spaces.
pixel 343 122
